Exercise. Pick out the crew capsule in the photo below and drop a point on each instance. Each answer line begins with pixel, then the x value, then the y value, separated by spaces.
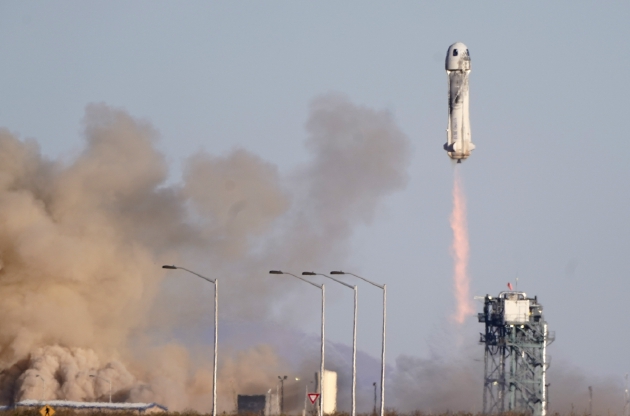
pixel 457 57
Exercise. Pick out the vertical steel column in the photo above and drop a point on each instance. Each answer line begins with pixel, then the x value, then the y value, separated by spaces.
pixel 216 344
pixel 383 351
pixel 502 381
pixel 626 406
pixel 354 354
pixel 321 362
pixel 543 410
pixel 512 399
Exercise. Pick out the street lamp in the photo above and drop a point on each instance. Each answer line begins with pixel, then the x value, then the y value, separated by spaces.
pixel 354 337
pixel 216 325
pixel 44 388
pixel 626 406
pixel 282 393
pixel 384 287
pixel 321 362
pixel 110 384
pixel 374 411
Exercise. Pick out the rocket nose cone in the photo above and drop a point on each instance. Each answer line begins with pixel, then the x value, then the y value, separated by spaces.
pixel 455 55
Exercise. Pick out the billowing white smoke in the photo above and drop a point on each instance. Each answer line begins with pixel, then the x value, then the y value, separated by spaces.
pixel 82 241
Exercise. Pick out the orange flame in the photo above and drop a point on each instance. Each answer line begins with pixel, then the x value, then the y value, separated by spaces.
pixel 460 252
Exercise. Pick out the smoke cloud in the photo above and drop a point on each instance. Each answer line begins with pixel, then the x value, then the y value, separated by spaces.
pixel 568 391
pixel 454 382
pixel 436 385
pixel 82 242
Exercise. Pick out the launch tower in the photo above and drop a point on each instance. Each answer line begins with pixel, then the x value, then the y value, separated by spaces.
pixel 515 339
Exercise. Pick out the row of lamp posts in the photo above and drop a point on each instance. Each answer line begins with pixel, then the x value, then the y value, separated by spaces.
pixel 323 340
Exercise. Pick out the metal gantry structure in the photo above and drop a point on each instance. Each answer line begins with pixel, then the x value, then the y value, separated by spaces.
pixel 515 339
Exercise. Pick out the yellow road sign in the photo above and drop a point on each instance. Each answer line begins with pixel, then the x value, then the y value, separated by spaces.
pixel 47 411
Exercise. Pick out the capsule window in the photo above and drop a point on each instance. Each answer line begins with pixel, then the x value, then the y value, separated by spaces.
pixel 467 53
pixel 454 52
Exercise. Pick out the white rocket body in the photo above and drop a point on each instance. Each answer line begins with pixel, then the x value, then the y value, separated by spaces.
pixel 458 141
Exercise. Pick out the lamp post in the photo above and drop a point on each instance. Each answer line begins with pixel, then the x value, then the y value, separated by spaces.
pixel 216 325
pixel 374 411
pixel 354 338
pixel 44 388
pixel 626 405
pixel 282 378
pixel 110 384
pixel 323 341
pixel 384 287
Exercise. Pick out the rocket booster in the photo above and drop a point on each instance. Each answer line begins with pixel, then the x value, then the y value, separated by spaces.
pixel 458 141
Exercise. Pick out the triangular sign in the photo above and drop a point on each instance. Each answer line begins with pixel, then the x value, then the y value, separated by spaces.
pixel 313 397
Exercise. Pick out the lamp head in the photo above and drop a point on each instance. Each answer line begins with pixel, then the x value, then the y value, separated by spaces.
pixel 309 274
pixel 337 272
pixel 275 272
pixel 169 267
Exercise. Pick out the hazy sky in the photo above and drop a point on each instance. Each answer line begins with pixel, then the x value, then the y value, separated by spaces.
pixel 546 186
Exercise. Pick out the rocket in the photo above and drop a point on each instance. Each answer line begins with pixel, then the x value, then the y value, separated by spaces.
pixel 458 141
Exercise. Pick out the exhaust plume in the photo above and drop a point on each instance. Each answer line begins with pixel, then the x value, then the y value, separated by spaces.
pixel 460 252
